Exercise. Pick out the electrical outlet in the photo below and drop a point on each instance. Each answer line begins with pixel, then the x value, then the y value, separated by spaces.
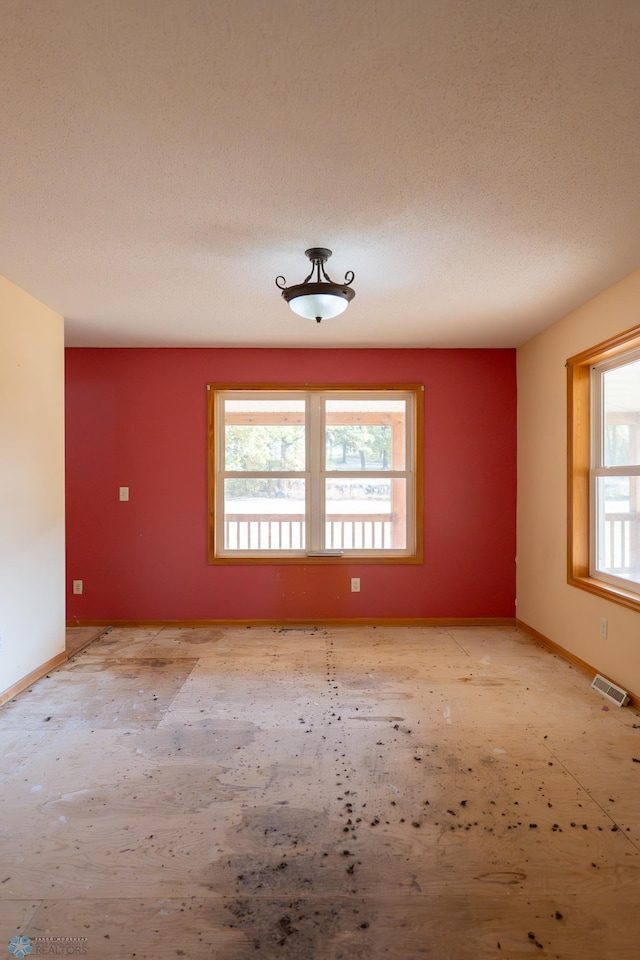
pixel 604 627
pixel 123 493
pixel 355 584
pixel 78 586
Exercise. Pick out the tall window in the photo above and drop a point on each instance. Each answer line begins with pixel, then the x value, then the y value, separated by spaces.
pixel 615 471
pixel 314 474
pixel 604 469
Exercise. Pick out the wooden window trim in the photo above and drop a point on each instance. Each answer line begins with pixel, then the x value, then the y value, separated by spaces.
pixel 579 466
pixel 417 557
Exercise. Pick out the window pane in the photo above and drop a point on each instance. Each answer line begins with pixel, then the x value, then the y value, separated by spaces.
pixel 264 435
pixel 621 405
pixel 264 514
pixel 618 527
pixel 365 434
pixel 366 514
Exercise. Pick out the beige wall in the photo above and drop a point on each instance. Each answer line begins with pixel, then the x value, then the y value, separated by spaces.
pixel 564 614
pixel 31 484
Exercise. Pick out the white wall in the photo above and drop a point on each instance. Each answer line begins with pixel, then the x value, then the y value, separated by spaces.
pixel 567 615
pixel 32 615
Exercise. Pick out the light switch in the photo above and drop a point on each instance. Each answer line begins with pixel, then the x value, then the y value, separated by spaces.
pixel 124 493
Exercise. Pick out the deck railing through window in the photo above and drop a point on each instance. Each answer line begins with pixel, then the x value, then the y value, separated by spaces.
pixel 252 531
pixel 621 536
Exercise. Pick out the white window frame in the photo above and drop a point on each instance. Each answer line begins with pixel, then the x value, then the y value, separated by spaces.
pixel 599 469
pixel 316 474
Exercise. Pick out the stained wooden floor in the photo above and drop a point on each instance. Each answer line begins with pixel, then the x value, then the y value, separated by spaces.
pixel 400 793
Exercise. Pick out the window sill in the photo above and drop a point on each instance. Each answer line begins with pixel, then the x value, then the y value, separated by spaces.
pixel 626 598
pixel 305 561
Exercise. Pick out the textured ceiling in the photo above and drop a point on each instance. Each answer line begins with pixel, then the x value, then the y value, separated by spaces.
pixel 475 163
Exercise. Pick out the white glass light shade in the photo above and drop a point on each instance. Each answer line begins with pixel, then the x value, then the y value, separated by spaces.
pixel 315 305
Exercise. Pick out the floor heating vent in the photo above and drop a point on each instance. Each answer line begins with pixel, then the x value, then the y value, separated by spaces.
pixel 610 691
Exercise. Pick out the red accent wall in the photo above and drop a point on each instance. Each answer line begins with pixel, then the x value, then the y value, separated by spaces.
pixel 137 418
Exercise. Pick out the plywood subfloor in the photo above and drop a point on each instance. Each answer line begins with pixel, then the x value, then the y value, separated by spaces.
pixel 400 793
pixel 77 638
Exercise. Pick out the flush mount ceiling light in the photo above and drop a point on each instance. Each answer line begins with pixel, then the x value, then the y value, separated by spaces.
pixel 319 299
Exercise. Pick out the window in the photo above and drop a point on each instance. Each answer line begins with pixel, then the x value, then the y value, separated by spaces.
pixel 615 471
pixel 319 474
pixel 604 469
